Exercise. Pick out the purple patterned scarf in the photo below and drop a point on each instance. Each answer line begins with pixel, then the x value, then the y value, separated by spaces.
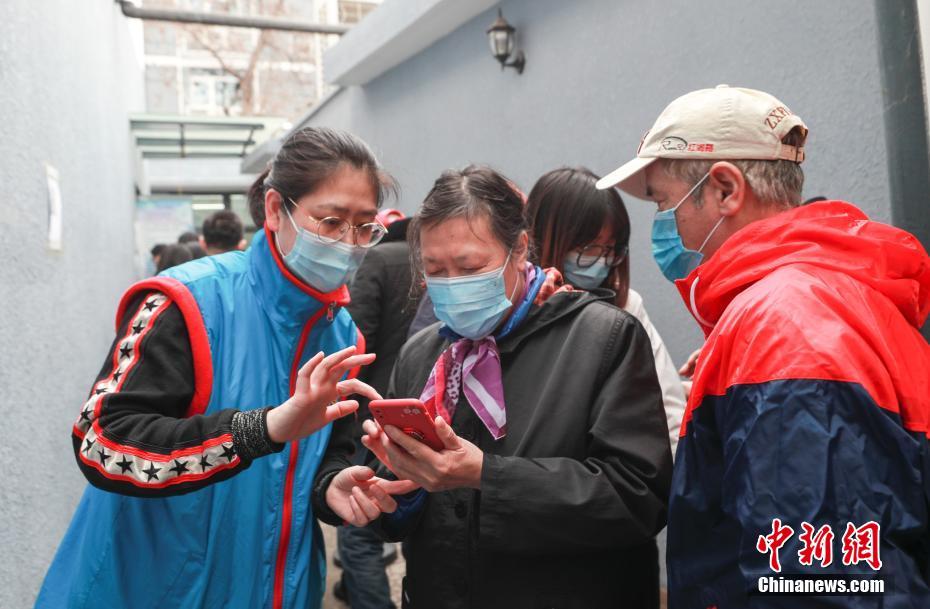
pixel 474 368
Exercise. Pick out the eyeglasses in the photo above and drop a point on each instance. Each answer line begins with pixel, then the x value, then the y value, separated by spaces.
pixel 592 253
pixel 332 229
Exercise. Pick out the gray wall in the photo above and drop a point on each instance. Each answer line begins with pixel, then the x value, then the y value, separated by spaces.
pixel 598 74
pixel 68 77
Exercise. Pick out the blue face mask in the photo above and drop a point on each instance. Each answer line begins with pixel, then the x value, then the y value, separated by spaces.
pixel 585 277
pixel 473 305
pixel 325 266
pixel 674 259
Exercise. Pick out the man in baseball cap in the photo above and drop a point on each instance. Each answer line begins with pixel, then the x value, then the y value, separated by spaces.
pixel 804 446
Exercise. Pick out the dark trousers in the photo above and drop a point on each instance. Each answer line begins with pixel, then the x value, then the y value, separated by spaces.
pixel 366 582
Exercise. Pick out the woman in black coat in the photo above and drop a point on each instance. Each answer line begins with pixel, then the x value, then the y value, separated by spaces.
pixel 556 469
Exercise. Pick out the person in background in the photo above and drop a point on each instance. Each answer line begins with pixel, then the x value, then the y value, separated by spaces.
pixel 191 241
pixel 172 256
pixel 156 252
pixel 222 232
pixel 584 233
pixel 196 251
pixel 188 237
pixel 381 306
pixel 804 450
pixel 555 472
pixel 203 430
pixel 382 309
pixel 388 216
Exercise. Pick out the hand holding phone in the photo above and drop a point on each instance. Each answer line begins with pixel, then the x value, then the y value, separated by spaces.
pixel 415 447
pixel 410 416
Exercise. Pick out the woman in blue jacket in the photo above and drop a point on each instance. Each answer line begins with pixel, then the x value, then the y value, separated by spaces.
pixel 203 431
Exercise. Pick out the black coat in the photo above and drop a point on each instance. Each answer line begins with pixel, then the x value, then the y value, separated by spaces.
pixel 572 497
pixel 382 308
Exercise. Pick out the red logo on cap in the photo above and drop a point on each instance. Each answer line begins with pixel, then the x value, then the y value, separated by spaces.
pixel 700 147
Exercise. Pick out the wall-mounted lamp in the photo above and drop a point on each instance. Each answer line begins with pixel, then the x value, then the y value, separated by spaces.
pixel 501 37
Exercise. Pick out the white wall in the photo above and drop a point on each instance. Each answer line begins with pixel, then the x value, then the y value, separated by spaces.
pixel 599 72
pixel 69 75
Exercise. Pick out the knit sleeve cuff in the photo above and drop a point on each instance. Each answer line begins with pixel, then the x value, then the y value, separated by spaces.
pixel 250 434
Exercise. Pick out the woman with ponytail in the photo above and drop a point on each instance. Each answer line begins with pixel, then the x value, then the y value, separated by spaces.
pixel 202 433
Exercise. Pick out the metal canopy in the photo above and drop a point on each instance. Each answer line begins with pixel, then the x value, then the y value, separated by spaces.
pixel 159 136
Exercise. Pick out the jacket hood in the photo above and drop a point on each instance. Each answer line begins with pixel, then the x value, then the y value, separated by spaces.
pixel 832 235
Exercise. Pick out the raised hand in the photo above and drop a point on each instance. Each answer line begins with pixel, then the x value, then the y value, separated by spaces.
pixel 318 393
pixel 358 496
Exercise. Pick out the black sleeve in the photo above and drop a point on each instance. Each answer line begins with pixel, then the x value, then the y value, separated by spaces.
pixel 337 458
pixel 616 497
pixel 134 436
pixel 410 505
pixel 339 453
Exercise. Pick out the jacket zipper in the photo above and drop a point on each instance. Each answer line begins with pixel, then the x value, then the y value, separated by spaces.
pixel 285 536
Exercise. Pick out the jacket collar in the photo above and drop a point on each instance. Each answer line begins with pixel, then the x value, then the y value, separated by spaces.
pixel 286 299
pixel 830 235
pixel 556 307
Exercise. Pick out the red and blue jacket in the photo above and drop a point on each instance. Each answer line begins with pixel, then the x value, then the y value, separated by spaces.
pixel 191 505
pixel 810 405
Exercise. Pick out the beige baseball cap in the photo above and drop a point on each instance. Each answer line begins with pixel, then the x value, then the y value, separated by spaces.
pixel 720 123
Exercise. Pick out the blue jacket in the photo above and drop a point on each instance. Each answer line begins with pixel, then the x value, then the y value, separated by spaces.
pixel 251 540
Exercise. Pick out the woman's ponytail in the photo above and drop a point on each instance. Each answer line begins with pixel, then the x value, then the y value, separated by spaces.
pixel 256 196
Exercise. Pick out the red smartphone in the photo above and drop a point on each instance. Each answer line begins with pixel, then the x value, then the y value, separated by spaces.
pixel 410 416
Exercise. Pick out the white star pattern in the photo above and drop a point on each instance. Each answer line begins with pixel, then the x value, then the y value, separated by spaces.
pixel 138 326
pixel 142 468
pixel 152 470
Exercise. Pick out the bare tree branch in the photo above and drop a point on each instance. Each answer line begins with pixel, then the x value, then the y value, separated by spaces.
pixel 245 77
pixel 209 45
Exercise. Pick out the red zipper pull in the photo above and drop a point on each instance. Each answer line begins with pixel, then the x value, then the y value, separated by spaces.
pixel 331 311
